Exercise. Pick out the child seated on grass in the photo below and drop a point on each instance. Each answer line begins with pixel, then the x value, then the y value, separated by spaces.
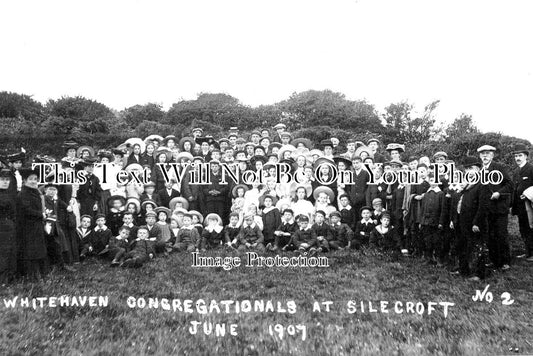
pixel 305 237
pixel 385 238
pixel 118 246
pixel 250 235
pixel 188 238
pixel 285 231
pixel 212 235
pixel 142 250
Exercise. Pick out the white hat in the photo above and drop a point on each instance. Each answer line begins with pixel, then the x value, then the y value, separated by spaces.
pixel 486 148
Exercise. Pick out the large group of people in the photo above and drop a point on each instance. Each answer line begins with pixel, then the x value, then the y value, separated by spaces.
pixel 459 227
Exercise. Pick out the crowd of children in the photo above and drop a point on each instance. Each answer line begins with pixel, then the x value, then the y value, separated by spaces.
pixel 458 226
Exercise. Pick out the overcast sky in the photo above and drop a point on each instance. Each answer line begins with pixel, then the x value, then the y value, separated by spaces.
pixel 475 56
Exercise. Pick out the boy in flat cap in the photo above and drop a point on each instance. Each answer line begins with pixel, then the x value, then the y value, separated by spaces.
pixel 304 238
pixel 342 234
pixel 142 250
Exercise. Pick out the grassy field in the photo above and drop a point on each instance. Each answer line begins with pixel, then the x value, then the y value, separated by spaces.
pixel 470 328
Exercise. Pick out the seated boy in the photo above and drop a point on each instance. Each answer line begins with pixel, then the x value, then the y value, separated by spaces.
pixel 304 238
pixel 363 228
pixel 250 235
pixel 322 231
pixel 285 231
pixel 118 246
pixel 188 238
pixel 142 250
pixel 342 234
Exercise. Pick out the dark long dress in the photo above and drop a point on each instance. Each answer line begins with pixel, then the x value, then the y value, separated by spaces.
pixel 30 230
pixel 8 240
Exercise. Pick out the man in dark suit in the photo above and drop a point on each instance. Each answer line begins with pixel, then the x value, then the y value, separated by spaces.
pixel 166 195
pixel 90 192
pixel 523 179
pixel 357 190
pixel 215 194
pixel 496 198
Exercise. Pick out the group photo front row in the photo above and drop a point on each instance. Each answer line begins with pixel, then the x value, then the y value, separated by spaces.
pixel 459 227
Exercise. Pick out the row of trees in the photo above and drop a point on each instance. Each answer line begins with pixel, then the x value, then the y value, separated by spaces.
pixel 313 114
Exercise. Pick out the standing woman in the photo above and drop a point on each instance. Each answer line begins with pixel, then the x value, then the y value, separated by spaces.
pixel 30 216
pixel 8 240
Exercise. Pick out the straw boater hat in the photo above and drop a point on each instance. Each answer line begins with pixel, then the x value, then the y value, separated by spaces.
pixel 213 216
pixel 179 210
pixel 324 189
pixel 346 161
pixel 163 209
pixel 197 129
pixel 362 149
pixel 133 167
pixel 316 152
pixel 198 214
pixel 280 126
pixel 174 201
pixel 373 140
pixel 186 139
pixel 165 151
pixel 440 154
pixel 285 148
pixel 305 141
pixel 395 147
pixel 148 201
pixel 235 188
pixel 85 148
pixel 136 141
pixel 153 138
pixel 184 155
pixel 302 152
pixel 168 138
pixel 134 201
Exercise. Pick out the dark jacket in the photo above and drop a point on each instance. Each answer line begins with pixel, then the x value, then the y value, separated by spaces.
pixel 30 224
pixel 505 188
pixel 164 198
pixel 522 179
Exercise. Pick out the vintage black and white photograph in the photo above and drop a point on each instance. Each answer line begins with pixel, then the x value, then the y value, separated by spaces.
pixel 345 177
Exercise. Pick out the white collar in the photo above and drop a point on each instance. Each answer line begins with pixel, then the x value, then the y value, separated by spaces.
pixel 217 228
pixel 435 189
pixel 266 210
pixel 100 229
pixel 347 207
pixel 366 222
pixel 190 227
pixel 251 226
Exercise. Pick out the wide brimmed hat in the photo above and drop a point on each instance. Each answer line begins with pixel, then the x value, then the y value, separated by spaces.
pixel 153 138
pixel 395 147
pixel 213 216
pixel 197 129
pixel 165 151
pixel 440 154
pixel 133 167
pixel 346 161
pixel 68 145
pixel 164 209
pixel 323 189
pixel 325 143
pixel 174 201
pixel 136 141
pixel 262 200
pixel 302 152
pixel 148 201
pixel 305 141
pixel 168 138
pixel 274 145
pixel 235 188
pixel 88 161
pixel 116 197
pixel 280 126
pixel 105 154
pixel 373 140
pixel 19 156
pixel 255 159
pixel 197 214
pixel 179 210
pixel 316 152
pixel 134 201
pixel 323 160
pixel 80 150
pixel 285 148
pixel 520 148
pixel 186 139
pixel 184 155
pixel 362 149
